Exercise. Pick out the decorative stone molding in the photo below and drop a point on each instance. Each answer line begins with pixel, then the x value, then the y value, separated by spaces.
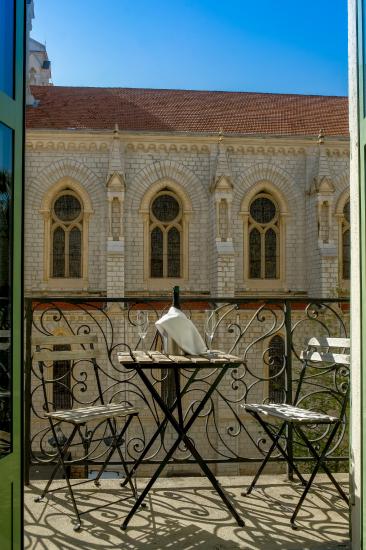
pixel 158 174
pixel 153 147
pixel 265 150
pixel 65 145
pixel 67 167
pixel 268 178
pixel 322 186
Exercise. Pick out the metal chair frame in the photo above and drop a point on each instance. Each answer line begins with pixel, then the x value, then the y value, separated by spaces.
pixel 78 417
pixel 295 416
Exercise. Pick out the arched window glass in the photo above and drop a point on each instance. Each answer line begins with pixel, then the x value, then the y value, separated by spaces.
pixel 277 374
pixel 255 254
pixel 346 243
pixel 66 236
pixel 165 235
pixel 156 252
pixel 263 238
pixel 62 396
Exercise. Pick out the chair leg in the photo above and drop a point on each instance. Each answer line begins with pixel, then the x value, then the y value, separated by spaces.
pixel 117 442
pixel 61 452
pixel 322 459
pixel 319 464
pixel 279 446
pixel 304 493
pixel 264 462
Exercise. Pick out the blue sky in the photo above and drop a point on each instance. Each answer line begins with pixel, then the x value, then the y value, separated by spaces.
pixel 265 46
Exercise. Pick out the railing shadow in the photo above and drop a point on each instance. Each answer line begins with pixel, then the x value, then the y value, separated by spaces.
pixel 184 515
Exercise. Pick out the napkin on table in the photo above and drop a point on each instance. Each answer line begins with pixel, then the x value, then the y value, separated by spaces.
pixel 176 325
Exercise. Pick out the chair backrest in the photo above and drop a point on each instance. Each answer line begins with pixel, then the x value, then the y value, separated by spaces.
pixel 315 353
pixel 324 374
pixel 64 370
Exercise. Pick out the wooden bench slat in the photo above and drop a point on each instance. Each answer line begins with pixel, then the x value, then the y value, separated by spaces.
pixel 65 340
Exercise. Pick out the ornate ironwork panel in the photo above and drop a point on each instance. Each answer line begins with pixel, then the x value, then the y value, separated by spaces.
pixel 267 335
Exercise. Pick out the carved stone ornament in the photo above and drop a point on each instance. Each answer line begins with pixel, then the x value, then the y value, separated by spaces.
pixel 322 186
pixel 222 183
pixel 116 182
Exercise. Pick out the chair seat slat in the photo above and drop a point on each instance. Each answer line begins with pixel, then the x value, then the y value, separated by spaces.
pixel 94 412
pixel 290 413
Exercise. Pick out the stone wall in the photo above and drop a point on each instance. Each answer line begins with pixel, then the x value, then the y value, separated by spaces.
pixel 300 173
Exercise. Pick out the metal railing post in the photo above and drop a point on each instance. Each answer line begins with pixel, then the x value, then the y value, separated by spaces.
pixel 289 397
pixel 27 388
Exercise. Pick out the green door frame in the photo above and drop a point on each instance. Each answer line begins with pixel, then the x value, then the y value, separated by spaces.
pixel 11 474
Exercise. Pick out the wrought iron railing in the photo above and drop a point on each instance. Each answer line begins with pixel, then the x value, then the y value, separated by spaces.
pixel 267 334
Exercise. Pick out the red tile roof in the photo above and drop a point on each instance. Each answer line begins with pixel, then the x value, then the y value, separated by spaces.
pixel 138 109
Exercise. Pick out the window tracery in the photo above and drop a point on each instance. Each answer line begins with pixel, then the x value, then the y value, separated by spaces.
pixel 66 236
pixel 264 238
pixel 166 228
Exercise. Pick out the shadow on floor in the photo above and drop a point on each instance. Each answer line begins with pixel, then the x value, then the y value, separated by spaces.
pixel 185 514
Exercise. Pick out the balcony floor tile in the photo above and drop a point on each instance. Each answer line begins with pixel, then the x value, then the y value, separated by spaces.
pixel 184 514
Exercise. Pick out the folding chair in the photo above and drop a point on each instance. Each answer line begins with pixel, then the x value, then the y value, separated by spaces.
pixel 80 375
pixel 276 418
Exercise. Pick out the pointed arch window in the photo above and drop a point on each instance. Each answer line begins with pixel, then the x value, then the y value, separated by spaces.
pixel 165 230
pixel 264 238
pixel 66 236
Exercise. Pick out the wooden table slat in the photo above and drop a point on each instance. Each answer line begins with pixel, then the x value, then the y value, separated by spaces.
pixel 157 357
pixel 180 358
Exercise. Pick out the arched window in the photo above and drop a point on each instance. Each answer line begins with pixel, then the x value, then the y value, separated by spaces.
pixel 263 238
pixel 165 229
pixel 276 370
pixel 345 243
pixel 66 236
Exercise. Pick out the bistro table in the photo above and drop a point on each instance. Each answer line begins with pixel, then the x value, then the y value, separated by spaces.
pixel 140 361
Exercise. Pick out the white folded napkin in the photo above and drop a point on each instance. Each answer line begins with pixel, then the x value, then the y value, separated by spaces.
pixel 176 325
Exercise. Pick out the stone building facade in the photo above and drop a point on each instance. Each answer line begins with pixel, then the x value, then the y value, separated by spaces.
pixel 215 176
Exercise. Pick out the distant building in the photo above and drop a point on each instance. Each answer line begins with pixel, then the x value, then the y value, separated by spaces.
pixel 39 64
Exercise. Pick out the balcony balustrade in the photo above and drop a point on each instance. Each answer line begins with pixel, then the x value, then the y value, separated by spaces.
pixel 268 334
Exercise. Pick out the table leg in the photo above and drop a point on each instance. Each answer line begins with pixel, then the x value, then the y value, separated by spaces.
pixel 161 426
pixel 182 436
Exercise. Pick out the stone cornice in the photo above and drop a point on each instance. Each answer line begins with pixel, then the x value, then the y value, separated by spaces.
pixel 80 141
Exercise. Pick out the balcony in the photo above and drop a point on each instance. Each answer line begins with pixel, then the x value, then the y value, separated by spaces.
pixel 183 511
